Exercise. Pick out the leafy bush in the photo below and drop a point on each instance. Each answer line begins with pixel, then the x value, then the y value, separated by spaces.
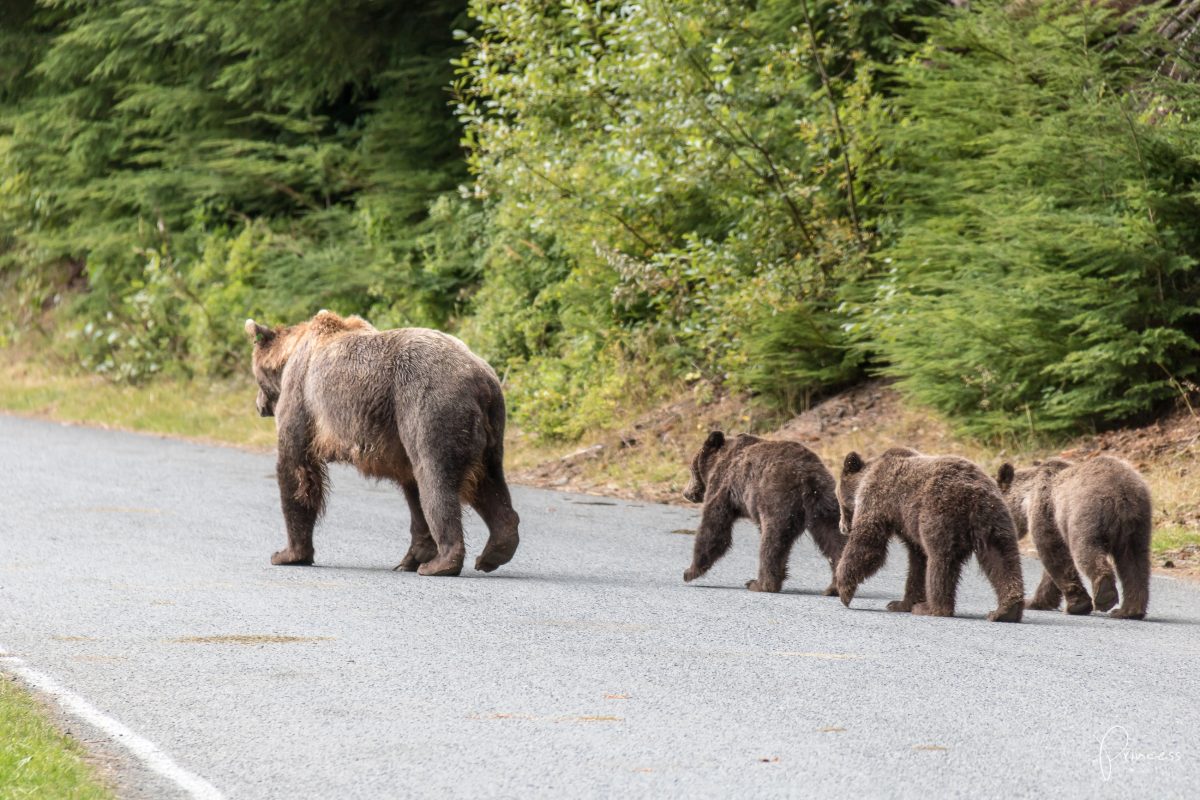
pixel 677 184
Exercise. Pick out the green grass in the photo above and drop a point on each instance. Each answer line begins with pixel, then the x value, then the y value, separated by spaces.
pixel 221 411
pixel 36 761
pixel 1173 537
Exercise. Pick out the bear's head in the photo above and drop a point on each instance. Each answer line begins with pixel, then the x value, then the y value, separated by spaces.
pixel 1017 486
pixel 1014 486
pixel 847 487
pixel 269 360
pixel 702 465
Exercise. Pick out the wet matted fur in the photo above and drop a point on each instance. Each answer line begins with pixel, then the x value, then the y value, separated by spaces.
pixel 783 487
pixel 1081 515
pixel 411 405
pixel 943 508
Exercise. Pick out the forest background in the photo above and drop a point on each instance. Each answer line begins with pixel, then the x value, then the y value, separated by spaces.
pixel 993 203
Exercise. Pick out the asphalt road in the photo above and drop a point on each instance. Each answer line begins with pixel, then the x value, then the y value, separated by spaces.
pixel 130 565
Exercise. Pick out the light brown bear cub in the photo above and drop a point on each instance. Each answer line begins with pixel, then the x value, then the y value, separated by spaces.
pixel 943 508
pixel 1084 514
pixel 411 405
pixel 782 486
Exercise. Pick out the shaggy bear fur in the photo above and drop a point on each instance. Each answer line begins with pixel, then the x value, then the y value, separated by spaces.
pixel 411 405
pixel 782 486
pixel 943 509
pixel 1084 514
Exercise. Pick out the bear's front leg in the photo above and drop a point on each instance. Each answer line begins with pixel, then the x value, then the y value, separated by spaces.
pixel 302 495
pixel 866 550
pixel 714 537
pixel 1047 596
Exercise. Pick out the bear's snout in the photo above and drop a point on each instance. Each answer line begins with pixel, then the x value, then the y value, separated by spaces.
pixel 264 405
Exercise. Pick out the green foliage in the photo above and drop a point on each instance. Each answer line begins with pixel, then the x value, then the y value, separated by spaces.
pixel 1044 176
pixel 675 183
pixel 147 139
pixel 995 204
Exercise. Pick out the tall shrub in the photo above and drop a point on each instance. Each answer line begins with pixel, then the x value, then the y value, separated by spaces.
pixel 1043 181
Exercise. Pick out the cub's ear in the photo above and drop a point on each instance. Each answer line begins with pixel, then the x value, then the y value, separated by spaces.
pixel 715 440
pixel 261 334
pixel 1005 476
pixel 852 464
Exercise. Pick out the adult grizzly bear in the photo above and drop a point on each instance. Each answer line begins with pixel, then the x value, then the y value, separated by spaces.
pixel 943 508
pixel 411 405
pixel 1084 513
pixel 782 486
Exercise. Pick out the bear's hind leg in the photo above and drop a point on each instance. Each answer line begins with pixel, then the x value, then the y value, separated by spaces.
pixel 1094 563
pixel 1000 561
pixel 914 585
pixel 1056 560
pixel 422 548
pixel 831 542
pixel 773 552
pixel 1133 566
pixel 942 575
pixel 494 505
pixel 443 510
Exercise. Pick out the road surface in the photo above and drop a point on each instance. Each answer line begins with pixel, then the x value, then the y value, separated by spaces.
pixel 134 574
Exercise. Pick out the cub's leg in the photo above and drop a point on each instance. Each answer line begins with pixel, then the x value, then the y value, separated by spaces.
pixel 1133 565
pixel 422 548
pixel 942 572
pixel 494 505
pixel 866 550
pixel 1001 563
pixel 1047 596
pixel 302 495
pixel 914 586
pixel 1094 562
pixel 774 549
pixel 715 535
pixel 1056 560
pixel 443 510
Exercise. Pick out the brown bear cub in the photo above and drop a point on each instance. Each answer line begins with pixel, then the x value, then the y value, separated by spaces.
pixel 782 486
pixel 412 405
pixel 1085 514
pixel 943 508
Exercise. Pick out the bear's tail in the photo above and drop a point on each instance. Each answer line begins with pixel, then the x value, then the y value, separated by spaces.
pixel 495 417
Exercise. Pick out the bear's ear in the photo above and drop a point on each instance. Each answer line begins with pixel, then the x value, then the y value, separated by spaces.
pixel 1005 476
pixel 715 440
pixel 261 334
pixel 852 464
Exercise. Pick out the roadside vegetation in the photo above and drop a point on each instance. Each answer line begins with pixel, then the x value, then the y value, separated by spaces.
pixel 36 761
pixel 993 204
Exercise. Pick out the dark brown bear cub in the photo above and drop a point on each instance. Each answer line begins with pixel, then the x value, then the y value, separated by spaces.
pixel 782 486
pixel 943 509
pixel 1085 514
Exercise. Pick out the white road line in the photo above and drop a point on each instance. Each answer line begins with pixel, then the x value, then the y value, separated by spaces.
pixel 143 749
